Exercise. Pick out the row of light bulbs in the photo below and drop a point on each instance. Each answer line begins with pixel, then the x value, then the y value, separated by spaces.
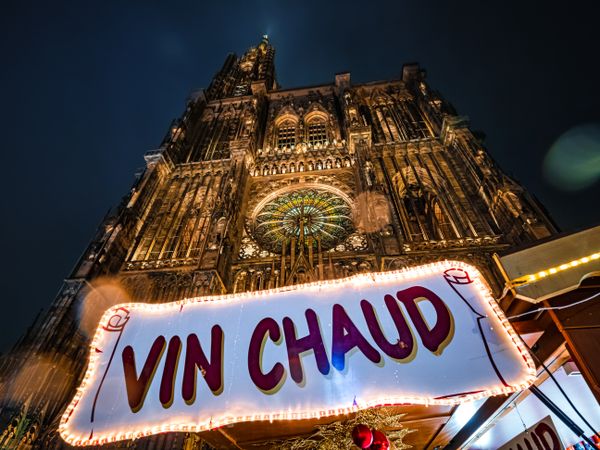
pixel 552 270
pixel 358 280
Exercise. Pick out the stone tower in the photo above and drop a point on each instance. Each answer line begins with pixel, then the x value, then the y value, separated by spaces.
pixel 256 187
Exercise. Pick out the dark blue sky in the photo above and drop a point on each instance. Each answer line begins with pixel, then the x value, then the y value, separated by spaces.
pixel 88 87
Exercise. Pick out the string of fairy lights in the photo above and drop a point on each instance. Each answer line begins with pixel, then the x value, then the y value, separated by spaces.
pixel 532 277
pixel 407 274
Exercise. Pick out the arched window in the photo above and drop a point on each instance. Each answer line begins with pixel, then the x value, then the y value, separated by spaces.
pixel 426 217
pixel 513 204
pixel 240 282
pixel 258 281
pixel 423 212
pixel 443 224
pixel 415 206
pixel 316 130
pixel 286 134
pixel 387 123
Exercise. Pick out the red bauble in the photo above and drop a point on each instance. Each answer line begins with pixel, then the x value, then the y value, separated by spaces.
pixel 362 436
pixel 380 441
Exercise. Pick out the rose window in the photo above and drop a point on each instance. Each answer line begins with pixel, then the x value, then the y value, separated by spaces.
pixel 316 213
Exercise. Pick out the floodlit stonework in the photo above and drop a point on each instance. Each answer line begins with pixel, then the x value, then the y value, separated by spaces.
pixel 257 187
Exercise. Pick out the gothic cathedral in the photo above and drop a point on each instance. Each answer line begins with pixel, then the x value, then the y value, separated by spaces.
pixel 256 187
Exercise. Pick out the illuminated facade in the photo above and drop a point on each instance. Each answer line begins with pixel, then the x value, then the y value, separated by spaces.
pixel 256 187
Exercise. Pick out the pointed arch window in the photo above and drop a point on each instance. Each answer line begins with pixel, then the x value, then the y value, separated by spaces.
pixel 426 217
pixel 442 223
pixel 513 204
pixel 387 124
pixel 286 134
pixel 240 282
pixel 179 220
pixel 228 133
pixel 316 132
pixel 423 210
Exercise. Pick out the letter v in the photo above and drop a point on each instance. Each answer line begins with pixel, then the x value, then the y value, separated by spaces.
pixel 137 387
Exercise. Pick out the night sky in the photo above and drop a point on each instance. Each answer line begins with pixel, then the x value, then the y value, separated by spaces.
pixel 88 87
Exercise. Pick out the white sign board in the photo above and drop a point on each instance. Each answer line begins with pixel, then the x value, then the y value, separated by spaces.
pixel 541 435
pixel 426 335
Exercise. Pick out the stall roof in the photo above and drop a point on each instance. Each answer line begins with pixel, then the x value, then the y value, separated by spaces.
pixel 553 267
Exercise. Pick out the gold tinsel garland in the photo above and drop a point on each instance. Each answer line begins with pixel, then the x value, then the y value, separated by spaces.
pixel 338 435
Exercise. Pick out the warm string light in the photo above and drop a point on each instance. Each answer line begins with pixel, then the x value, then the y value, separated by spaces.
pixel 525 279
pixel 405 274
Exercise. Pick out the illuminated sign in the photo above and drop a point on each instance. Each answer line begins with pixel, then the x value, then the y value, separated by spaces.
pixel 426 335
pixel 541 435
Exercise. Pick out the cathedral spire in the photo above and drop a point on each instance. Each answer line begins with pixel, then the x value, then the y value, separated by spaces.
pixel 237 75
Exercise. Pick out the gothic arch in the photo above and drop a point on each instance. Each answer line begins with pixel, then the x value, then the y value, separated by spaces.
pixel 386 124
pixel 511 202
pixel 379 97
pixel 416 176
pixel 316 114
pixel 294 187
pixel 311 213
pixel 239 283
pixel 284 130
pixel 286 114
pixel 317 126
pixel 423 205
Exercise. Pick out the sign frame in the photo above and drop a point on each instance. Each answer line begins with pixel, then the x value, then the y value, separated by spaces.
pixel 115 319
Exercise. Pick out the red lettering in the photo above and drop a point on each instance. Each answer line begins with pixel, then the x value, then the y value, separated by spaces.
pixel 195 360
pixel 296 346
pixel 544 429
pixel 170 371
pixel 404 346
pixel 137 387
pixel 536 441
pixel 270 380
pixel 346 336
pixel 432 338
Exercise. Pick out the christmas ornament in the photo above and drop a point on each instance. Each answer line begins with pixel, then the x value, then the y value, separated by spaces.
pixel 380 441
pixel 338 435
pixel 362 436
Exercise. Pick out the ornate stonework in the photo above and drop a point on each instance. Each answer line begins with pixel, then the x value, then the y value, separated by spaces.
pixel 255 187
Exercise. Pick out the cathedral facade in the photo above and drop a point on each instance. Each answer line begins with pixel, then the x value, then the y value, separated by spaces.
pixel 256 187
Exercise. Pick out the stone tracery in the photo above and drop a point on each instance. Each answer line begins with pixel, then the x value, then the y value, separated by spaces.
pixel 230 202
pixel 309 212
